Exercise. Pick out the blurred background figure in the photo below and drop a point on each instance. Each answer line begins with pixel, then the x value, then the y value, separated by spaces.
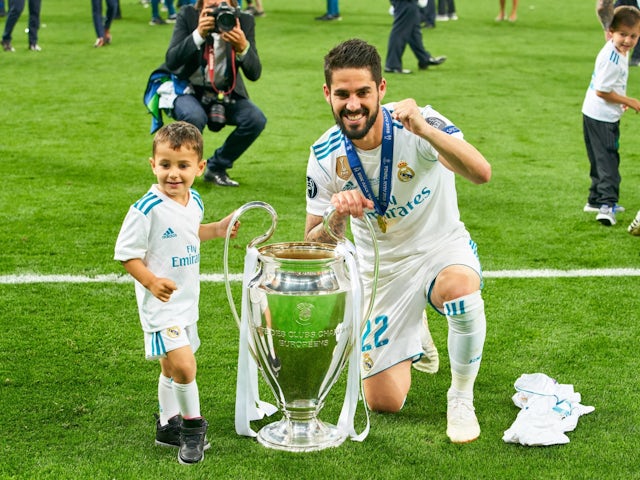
pixel 256 11
pixel 428 14
pixel 406 31
pixel 446 10
pixel 333 12
pixel 156 19
pixel 102 25
pixel 16 8
pixel 513 16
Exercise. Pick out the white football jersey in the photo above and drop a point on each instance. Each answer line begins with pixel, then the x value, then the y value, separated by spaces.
pixel 164 234
pixel 423 211
pixel 609 75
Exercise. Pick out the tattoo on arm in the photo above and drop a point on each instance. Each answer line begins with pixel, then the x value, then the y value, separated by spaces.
pixel 319 234
pixel 604 9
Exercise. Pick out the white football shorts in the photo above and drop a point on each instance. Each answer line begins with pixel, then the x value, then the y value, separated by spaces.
pixel 392 334
pixel 157 344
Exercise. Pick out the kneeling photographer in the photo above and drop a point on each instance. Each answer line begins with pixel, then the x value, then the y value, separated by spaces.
pixel 212 44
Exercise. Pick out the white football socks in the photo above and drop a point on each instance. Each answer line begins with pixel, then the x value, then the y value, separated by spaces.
pixel 467 331
pixel 167 402
pixel 188 398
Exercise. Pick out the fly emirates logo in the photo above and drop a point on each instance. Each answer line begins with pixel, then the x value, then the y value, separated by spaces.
pixel 395 210
pixel 191 258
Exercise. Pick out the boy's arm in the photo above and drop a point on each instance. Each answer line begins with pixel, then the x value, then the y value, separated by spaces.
pixel 218 229
pixel 161 288
pixel 613 97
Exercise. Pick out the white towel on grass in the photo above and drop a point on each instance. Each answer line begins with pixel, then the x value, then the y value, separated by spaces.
pixel 548 410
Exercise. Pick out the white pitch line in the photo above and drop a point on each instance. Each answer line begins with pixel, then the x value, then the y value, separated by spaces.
pixel 544 273
pixel 109 278
pixel 219 278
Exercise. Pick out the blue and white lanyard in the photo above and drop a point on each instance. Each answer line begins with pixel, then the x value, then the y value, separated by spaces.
pixel 386 165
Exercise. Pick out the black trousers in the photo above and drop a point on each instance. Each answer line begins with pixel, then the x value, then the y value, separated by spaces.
pixel 602 140
pixel 405 30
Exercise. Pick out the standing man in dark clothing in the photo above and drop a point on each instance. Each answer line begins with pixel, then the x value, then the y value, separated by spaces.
pixel 212 44
pixel 16 8
pixel 406 30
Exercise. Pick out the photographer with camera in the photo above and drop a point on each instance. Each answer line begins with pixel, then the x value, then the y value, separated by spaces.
pixel 212 43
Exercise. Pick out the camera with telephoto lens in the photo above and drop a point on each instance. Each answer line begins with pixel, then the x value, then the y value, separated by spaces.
pixel 225 17
pixel 214 106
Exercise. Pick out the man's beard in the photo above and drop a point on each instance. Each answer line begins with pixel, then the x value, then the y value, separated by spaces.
pixel 353 133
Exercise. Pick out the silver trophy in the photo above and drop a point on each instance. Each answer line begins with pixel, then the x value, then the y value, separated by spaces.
pixel 302 312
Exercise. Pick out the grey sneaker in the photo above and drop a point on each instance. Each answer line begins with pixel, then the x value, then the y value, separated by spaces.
pixel 634 227
pixel 606 215
pixel 192 440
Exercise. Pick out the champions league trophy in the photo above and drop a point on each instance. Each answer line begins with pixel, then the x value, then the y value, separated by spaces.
pixel 301 323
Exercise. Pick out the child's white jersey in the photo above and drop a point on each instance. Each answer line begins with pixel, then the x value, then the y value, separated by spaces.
pixel 609 75
pixel 164 235
pixel 423 211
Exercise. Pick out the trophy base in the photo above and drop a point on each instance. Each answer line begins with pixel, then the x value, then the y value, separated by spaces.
pixel 300 436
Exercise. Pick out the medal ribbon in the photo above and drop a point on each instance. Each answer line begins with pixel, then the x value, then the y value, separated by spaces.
pixel 386 164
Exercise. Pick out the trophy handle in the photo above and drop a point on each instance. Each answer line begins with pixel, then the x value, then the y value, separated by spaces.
pixel 256 241
pixel 328 213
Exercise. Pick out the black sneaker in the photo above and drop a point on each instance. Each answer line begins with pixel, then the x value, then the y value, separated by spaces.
pixel 433 61
pixel 192 440
pixel 168 435
pixel 7 47
pixel 329 18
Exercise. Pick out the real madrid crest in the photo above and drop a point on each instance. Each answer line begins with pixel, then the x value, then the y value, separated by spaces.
pixel 405 172
pixel 173 332
pixel 367 362
pixel 343 170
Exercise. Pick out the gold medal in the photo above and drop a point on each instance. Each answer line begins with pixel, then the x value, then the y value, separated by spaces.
pixel 382 223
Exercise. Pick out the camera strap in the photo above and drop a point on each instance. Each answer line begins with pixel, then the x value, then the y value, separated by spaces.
pixel 211 63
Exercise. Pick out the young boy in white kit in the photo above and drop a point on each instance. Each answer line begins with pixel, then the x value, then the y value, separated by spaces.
pixel 159 245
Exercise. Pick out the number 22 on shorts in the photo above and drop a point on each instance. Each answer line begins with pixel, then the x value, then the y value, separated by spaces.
pixel 381 324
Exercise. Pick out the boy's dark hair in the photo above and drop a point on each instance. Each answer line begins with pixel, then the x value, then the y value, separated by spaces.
pixel 179 135
pixel 354 53
pixel 624 15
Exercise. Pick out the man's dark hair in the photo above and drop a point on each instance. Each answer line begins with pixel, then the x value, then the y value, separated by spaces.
pixel 354 53
pixel 200 3
pixel 624 16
